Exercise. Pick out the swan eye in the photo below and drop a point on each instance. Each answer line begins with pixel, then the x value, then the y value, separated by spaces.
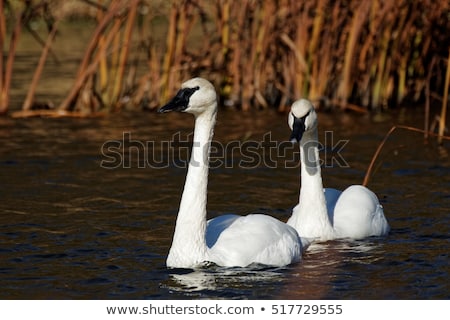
pixel 185 94
pixel 188 92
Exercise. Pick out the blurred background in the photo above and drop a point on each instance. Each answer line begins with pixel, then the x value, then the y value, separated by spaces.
pixel 104 56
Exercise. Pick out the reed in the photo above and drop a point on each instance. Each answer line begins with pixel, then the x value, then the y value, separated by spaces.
pixel 224 26
pixel 3 102
pixel 7 72
pixel 443 117
pixel 103 64
pixel 127 34
pixel 358 55
pixel 355 29
pixel 386 137
pixel 83 96
pixel 319 70
pixel 28 103
pixel 112 62
pixel 27 12
pixel 87 68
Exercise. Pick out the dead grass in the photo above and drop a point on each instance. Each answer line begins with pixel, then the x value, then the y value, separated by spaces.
pixel 359 55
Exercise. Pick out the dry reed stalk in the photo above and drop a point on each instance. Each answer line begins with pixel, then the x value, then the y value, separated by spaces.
pixel 299 60
pixel 154 78
pixel 322 57
pixel 103 65
pixel 315 60
pixel 247 66
pixel 428 98
pixel 401 86
pixel 5 89
pixel 182 29
pixel 139 88
pixel 316 28
pixel 264 27
pixel 88 70
pixel 301 71
pixel 404 29
pixel 282 87
pixel 396 20
pixel 373 56
pixel 113 62
pixel 132 9
pixel 365 54
pixel 169 53
pixel 443 116
pixel 28 102
pixel 238 52
pixel 83 71
pixel 2 24
pixel 3 105
pixel 345 84
pixel 380 69
pixel 261 25
pixel 48 20
pixel 180 25
pixel 101 27
pixel 224 27
pixel 383 142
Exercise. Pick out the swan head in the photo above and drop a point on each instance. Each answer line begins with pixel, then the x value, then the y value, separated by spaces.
pixel 196 96
pixel 302 118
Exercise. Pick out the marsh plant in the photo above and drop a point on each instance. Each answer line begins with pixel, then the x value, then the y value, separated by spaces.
pixel 356 55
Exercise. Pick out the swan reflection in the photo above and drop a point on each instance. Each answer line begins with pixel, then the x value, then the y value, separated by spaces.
pixel 224 280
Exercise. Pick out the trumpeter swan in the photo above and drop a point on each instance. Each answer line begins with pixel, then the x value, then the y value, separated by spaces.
pixel 328 214
pixel 228 240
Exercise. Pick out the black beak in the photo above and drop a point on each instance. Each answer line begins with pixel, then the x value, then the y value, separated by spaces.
pixel 180 102
pixel 298 129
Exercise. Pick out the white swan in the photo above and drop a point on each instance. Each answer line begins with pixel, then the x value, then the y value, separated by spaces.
pixel 229 240
pixel 328 214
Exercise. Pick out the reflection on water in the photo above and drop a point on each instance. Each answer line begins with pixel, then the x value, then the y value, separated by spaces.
pixel 326 267
pixel 71 229
pixel 231 283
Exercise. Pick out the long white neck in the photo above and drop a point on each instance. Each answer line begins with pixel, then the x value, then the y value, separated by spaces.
pixel 310 217
pixel 189 245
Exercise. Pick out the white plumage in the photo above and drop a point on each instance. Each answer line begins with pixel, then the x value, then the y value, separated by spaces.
pixel 326 214
pixel 228 240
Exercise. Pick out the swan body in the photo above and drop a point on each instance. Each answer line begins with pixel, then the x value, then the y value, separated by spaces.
pixel 255 239
pixel 326 214
pixel 229 240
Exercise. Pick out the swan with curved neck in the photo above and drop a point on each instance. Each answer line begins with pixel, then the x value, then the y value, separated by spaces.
pixel 228 240
pixel 326 214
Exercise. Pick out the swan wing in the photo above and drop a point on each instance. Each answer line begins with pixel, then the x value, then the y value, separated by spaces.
pixel 331 197
pixel 216 226
pixel 359 214
pixel 256 238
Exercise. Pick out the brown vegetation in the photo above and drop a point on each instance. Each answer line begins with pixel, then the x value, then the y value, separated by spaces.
pixel 349 54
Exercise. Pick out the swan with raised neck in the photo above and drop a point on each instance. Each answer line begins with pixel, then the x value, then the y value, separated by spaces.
pixel 326 214
pixel 228 240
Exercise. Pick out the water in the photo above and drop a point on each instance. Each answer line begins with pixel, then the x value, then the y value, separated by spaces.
pixel 72 229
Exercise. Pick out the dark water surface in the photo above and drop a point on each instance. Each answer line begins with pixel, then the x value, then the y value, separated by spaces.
pixel 70 228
